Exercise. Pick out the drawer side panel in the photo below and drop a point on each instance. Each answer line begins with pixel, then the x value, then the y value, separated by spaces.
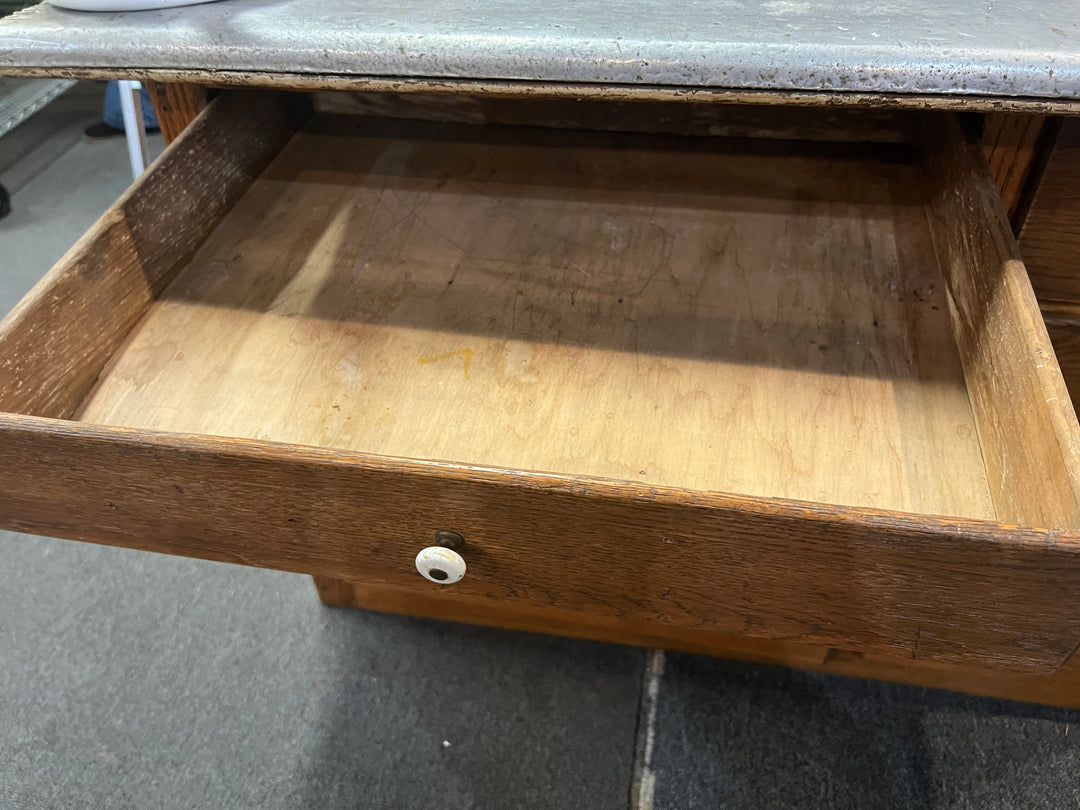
pixel 55 343
pixel 1025 418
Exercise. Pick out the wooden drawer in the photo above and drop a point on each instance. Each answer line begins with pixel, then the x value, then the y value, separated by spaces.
pixel 793 391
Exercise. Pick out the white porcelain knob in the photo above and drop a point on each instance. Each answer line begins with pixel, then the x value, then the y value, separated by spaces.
pixel 442 565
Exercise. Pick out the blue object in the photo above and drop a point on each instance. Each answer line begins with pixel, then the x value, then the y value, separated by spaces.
pixel 114 116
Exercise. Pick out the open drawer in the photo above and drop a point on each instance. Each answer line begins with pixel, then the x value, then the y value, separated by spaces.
pixel 788 390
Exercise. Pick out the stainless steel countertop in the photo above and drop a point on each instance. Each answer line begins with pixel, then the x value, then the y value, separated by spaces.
pixel 976 48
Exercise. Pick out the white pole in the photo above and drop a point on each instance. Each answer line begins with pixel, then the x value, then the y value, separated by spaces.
pixel 131 105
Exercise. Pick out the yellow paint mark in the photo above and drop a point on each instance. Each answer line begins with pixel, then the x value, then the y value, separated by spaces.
pixel 463 353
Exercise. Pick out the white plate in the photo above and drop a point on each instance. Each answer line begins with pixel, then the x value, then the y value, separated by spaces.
pixel 123 5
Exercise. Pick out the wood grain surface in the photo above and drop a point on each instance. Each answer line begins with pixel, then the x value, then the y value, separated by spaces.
pixel 1050 243
pixel 1026 422
pixel 176 105
pixel 55 342
pixel 1063 325
pixel 1012 146
pixel 1060 688
pixel 1050 239
pixel 698 313
pixel 445 603
pixel 908 585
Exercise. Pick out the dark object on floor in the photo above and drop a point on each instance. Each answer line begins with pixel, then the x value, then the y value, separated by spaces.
pixel 104 132
pixel 5 202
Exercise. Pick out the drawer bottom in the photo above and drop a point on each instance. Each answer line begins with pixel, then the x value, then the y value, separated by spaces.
pixel 708 315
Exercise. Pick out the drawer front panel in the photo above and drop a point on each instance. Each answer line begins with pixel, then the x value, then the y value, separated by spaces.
pixel 926 589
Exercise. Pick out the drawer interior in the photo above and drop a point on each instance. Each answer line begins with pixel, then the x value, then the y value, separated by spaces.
pixel 704 314
pixel 710 314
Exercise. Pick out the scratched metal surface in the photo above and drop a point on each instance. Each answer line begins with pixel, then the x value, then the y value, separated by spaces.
pixel 996 48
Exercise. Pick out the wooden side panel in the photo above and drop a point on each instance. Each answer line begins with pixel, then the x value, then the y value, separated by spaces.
pixel 55 342
pixel 1050 238
pixel 1063 324
pixel 1060 688
pixel 176 106
pixel 1026 422
pixel 917 587
pixel 1011 145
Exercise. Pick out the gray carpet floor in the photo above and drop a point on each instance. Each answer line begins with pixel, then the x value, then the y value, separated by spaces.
pixel 134 680
pixel 734 735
